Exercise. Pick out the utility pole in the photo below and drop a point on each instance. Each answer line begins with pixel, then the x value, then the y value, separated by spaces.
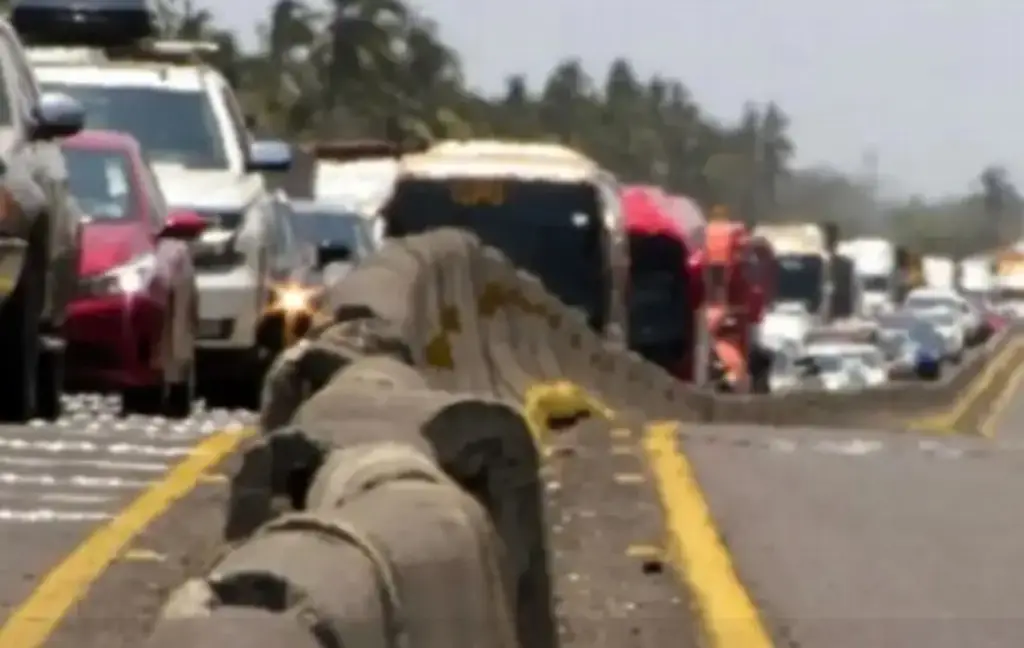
pixel 870 172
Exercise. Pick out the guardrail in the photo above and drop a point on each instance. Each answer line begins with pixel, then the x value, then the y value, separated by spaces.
pixel 394 498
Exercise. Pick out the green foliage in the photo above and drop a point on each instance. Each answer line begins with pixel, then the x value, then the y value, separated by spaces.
pixel 349 70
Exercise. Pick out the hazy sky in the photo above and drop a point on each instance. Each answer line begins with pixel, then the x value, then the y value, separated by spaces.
pixel 933 85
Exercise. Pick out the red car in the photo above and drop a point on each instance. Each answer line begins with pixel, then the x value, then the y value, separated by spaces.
pixel 132 326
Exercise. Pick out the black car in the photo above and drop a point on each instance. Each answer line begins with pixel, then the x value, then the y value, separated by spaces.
pixel 40 237
pixel 339 235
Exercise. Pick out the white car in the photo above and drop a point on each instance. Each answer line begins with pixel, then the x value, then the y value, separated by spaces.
pixel 843 366
pixel 187 119
pixel 927 301
pixel 785 324
pixel 950 326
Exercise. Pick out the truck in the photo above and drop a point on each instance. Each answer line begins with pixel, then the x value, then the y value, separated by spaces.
pixel 939 272
pixel 977 275
pixel 805 254
pixel 875 271
pixel 1008 293
pixel 740 275
pixel 666 321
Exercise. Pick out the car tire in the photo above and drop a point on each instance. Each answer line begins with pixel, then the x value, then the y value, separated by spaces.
pixel 50 384
pixel 19 349
pixel 180 396
pixel 147 400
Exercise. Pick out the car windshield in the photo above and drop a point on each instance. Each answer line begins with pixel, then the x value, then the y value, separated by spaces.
pixel 875 283
pixel 317 227
pixel 552 229
pixel 941 318
pixel 869 358
pixel 801 279
pixel 828 363
pixel 100 181
pixel 926 302
pixel 925 335
pixel 173 126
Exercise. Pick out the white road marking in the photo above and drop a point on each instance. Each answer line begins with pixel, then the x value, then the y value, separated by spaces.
pixel 50 515
pixel 99 464
pixel 83 466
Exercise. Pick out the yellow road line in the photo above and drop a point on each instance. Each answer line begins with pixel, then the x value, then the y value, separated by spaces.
pixel 33 622
pixel 945 422
pixel 729 616
pixel 990 427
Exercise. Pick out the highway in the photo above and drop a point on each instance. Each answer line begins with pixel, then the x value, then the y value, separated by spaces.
pixel 861 538
pixel 69 498
pixel 824 538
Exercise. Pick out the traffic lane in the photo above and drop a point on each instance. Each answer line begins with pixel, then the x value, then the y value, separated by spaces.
pixel 122 605
pixel 894 547
pixel 61 481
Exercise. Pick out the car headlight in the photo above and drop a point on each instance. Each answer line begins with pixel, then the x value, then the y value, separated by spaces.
pixel 294 299
pixel 127 279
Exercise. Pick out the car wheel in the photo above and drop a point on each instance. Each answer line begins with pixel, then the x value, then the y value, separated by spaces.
pixel 19 351
pixel 181 395
pixel 148 400
pixel 50 384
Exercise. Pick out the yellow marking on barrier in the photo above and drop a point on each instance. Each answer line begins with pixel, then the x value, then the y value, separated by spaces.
pixel 990 427
pixel 945 422
pixel 143 555
pixel 36 619
pixel 728 614
pixel 628 479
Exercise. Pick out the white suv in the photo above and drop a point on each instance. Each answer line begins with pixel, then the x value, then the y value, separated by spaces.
pixel 186 116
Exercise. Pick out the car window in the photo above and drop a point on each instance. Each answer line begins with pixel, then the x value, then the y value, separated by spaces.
pixel 173 126
pixel 319 227
pixel 11 92
pixel 101 182
pixel 237 120
pixel 154 196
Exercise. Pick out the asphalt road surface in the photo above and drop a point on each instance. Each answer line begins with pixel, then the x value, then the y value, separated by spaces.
pixel 860 539
pixel 842 539
pixel 61 481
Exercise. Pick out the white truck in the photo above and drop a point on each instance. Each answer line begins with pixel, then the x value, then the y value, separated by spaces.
pixel 977 275
pixel 805 253
pixel 876 271
pixel 939 272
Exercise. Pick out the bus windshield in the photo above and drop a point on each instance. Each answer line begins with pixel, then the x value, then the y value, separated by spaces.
pixel 552 229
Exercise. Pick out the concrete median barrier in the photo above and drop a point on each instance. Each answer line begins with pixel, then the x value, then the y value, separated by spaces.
pixel 407 436
pixel 218 627
pixel 397 555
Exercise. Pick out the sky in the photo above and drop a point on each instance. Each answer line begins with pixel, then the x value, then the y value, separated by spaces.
pixel 930 86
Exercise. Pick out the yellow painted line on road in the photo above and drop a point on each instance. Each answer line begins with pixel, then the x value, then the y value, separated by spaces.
pixel 729 617
pixel 990 427
pixel 945 422
pixel 32 623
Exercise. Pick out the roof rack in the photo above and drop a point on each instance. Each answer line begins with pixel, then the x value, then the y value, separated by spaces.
pixel 174 52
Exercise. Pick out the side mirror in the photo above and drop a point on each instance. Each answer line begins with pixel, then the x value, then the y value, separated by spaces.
pixel 332 253
pixel 183 225
pixel 270 156
pixel 57 115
